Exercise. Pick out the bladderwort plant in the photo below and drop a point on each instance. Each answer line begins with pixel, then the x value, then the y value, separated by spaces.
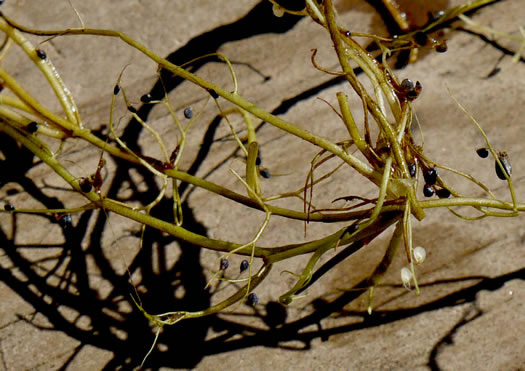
pixel 389 157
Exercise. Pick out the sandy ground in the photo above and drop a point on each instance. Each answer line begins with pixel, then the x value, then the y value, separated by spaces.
pixel 64 297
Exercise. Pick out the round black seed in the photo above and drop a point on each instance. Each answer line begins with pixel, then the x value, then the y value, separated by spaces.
pixel 132 109
pixel 146 98
pixel 428 191
pixel 252 299
pixel 116 89
pixel 412 169
pixel 213 94
pixel 65 221
pixel 504 159
pixel 407 84
pixel 188 113
pixel 85 186
pixel 224 264
pixel 431 176
pixel 9 207
pixel 421 38
pixel 41 54
pixel 244 265
pixel 351 229
pixel 265 174
pixel 443 193
pixel 258 161
pixel 483 152
pixel 32 127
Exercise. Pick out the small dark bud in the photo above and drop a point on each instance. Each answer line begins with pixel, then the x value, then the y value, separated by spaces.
pixel 132 109
pixel 431 176
pixel 9 207
pixel 244 265
pixel 252 299
pixel 41 54
pixel 146 98
pixel 483 152
pixel 428 190
pixel 224 264
pixel 32 127
pixel 188 113
pixel 443 193
pixel 116 89
pixel 213 94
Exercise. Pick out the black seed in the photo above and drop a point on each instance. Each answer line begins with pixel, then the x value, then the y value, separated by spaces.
pixel 412 94
pixel 428 190
pixel 244 265
pixel 443 193
pixel 252 299
pixel 265 174
pixel 116 89
pixel 85 186
pixel 431 176
pixel 258 161
pixel 213 94
pixel 9 207
pixel 224 264
pixel 188 113
pixel 504 159
pixel 351 229
pixel 412 169
pixel 407 84
pixel 146 98
pixel 41 54
pixel 65 221
pixel 132 109
pixel 421 38
pixel 348 33
pixel 441 47
pixel 32 127
pixel 483 152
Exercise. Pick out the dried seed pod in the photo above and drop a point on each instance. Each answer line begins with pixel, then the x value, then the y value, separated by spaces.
pixel 32 127
pixel 9 207
pixel 116 89
pixel 430 176
pixel 483 152
pixel 146 98
pixel 419 255
pixel 253 299
pixel 188 113
pixel 41 54
pixel 428 190
pixel 443 193
pixel 504 159
pixel 224 264
pixel 244 265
